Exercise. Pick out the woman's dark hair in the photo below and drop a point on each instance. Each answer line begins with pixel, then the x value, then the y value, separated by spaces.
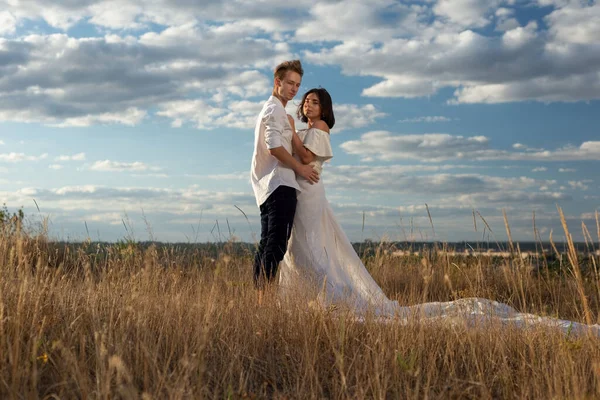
pixel 325 103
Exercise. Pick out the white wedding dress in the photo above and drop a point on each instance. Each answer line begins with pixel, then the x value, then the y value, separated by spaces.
pixel 321 265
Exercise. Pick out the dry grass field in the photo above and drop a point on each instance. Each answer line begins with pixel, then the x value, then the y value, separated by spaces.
pixel 127 321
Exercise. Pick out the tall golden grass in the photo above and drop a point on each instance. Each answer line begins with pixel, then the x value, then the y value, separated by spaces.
pixel 127 321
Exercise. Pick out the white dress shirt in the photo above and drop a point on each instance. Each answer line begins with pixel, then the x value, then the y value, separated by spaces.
pixel 272 130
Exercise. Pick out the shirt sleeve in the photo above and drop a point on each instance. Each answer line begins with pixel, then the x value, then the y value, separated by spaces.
pixel 273 128
pixel 318 142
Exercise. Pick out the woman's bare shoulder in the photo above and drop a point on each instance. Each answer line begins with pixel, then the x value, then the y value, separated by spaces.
pixel 321 125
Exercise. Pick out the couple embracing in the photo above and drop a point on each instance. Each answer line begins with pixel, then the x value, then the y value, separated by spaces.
pixel 301 236
pixel 298 228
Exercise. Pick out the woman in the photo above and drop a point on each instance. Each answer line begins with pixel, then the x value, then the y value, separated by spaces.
pixel 320 258
pixel 320 262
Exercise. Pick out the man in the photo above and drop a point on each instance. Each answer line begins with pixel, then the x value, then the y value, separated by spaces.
pixel 273 174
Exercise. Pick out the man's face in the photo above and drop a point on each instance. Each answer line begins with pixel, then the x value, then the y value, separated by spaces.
pixel 289 85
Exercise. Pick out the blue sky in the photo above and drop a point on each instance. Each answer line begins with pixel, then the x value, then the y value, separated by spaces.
pixel 143 112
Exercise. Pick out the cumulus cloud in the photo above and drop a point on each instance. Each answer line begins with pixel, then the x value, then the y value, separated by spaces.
pixel 581 185
pixel 117 199
pixel 591 215
pixel 575 22
pixel 74 157
pixel 389 178
pixel 116 166
pixel 169 211
pixel 199 112
pixel 241 114
pixel 55 166
pixel 427 147
pixel 505 20
pixel 504 198
pixel 343 209
pixel 202 115
pixel 440 187
pixel 215 53
pixel 236 176
pixel 348 116
pixel 8 23
pixel 435 147
pixel 63 81
pixel 165 209
pixel 356 20
pixel 268 15
pixel 19 157
pixel 435 118
pixel 539 169
pixel 557 63
pixel 130 117
pixel 466 13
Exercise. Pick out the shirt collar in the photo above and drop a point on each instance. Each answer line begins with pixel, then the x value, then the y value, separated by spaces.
pixel 276 99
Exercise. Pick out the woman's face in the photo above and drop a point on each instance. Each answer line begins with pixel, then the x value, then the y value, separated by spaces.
pixel 312 107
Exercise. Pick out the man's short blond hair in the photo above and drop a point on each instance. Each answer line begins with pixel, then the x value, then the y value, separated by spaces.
pixel 284 67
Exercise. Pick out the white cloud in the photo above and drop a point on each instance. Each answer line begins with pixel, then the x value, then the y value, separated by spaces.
pixel 434 147
pixel 504 198
pixel 199 112
pixel 55 166
pixel 503 12
pixel 19 157
pixel 581 185
pixel 507 24
pixel 130 117
pixel 505 20
pixel 360 21
pixel 466 13
pixel 234 114
pixel 74 157
pixel 100 207
pixel 216 52
pixel 231 176
pixel 520 36
pixel 8 23
pixel 576 22
pixel 590 215
pixel 242 114
pixel 116 166
pixel 427 147
pixel 349 116
pixel 521 146
pixel 118 199
pixel 539 169
pixel 563 170
pixel 112 218
pixel 569 89
pixel 436 118
pixel 136 14
pixel 525 63
pixel 435 185
pixel 63 81
pixel 150 175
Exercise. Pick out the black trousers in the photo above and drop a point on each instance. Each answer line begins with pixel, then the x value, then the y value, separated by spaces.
pixel 276 219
